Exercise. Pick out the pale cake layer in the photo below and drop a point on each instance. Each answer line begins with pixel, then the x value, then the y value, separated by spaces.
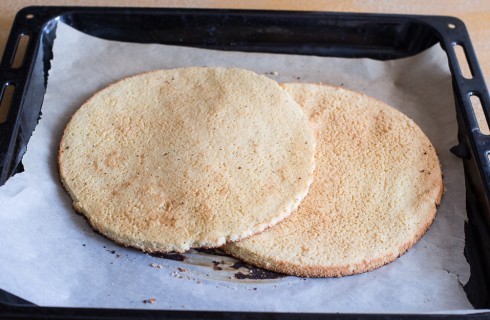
pixel 191 157
pixel 376 186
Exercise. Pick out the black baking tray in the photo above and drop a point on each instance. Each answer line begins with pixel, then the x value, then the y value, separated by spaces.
pixel 375 36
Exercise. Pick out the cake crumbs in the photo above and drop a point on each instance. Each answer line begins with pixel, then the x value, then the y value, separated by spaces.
pixel 182 269
pixel 151 300
pixel 156 265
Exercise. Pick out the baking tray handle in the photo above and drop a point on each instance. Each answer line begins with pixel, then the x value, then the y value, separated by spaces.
pixel 17 92
pixel 469 86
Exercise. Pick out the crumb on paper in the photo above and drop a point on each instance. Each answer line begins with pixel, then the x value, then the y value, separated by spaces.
pixel 176 275
pixel 156 265
pixel 216 266
pixel 151 300
pixel 182 269
pixel 274 73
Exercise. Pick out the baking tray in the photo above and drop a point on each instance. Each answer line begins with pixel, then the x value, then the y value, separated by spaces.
pixel 373 36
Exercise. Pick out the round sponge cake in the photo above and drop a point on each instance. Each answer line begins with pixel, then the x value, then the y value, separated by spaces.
pixel 191 157
pixel 376 186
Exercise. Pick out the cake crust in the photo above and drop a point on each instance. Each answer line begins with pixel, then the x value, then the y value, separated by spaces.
pixel 376 186
pixel 193 157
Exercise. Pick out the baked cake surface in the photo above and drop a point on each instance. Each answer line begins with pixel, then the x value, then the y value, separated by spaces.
pixel 376 186
pixel 192 157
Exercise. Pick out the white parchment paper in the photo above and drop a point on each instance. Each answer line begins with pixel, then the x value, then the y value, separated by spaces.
pixel 50 256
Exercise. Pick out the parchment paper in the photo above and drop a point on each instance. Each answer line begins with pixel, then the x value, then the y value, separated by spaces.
pixel 50 256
